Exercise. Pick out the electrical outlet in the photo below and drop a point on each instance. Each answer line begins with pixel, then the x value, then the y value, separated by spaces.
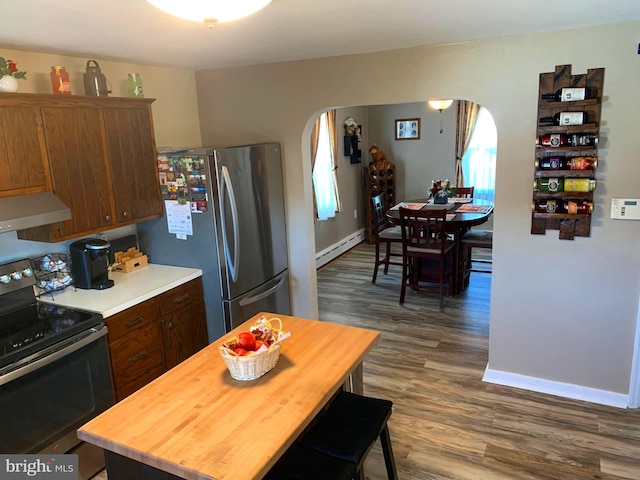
pixel 355 213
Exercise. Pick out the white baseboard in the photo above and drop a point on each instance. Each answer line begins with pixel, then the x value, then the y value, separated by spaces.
pixel 334 251
pixel 560 389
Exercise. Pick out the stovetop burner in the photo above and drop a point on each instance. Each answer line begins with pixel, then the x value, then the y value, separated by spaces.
pixel 27 326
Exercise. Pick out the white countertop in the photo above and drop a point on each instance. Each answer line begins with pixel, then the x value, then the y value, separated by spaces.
pixel 129 289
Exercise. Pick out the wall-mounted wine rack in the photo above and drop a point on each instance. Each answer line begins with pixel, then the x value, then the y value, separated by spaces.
pixel 553 207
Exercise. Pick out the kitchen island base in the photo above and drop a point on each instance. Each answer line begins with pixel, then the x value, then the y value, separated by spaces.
pixel 124 468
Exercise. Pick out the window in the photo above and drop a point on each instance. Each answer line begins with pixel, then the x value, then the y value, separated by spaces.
pixel 324 182
pixel 479 160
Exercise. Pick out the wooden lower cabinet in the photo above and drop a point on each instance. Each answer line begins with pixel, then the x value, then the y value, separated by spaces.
pixel 184 333
pixel 143 344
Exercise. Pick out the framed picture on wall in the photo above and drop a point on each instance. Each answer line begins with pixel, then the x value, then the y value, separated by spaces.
pixel 407 129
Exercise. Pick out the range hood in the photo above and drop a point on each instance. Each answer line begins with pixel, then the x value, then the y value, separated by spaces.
pixel 31 210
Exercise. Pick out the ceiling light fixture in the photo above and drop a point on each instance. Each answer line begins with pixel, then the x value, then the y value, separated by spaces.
pixel 211 11
pixel 438 105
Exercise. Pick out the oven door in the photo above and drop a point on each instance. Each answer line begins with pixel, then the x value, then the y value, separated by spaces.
pixel 46 397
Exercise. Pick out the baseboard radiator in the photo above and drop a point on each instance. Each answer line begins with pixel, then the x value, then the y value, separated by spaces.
pixel 334 251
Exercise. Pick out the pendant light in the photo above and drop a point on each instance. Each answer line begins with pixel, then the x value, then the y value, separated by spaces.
pixel 439 105
pixel 211 11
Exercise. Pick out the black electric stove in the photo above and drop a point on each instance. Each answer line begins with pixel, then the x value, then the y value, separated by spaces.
pixel 28 326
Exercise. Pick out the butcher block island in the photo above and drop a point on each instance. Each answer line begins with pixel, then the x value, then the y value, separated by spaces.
pixel 197 422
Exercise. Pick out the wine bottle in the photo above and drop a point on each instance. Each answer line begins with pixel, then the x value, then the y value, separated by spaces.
pixel 566 118
pixel 545 206
pixel 568 95
pixel 566 163
pixel 551 163
pixel 577 207
pixel 563 140
pixel 571 207
pixel 555 184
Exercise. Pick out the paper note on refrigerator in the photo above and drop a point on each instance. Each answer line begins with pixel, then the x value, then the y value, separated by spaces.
pixel 179 218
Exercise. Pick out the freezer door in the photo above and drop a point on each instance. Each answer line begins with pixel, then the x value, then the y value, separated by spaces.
pixel 272 297
pixel 248 195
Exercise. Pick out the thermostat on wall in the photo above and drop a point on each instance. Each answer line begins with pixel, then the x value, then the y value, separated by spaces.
pixel 625 208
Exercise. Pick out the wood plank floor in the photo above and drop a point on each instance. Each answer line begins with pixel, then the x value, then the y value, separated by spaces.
pixel 446 422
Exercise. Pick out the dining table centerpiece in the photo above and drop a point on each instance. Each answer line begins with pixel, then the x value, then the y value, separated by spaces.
pixel 440 191
pixel 9 75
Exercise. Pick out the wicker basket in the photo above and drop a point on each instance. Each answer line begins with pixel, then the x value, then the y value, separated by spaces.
pixel 251 366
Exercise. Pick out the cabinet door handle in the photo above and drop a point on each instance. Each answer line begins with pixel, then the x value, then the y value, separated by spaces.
pixel 125 214
pixel 107 218
pixel 181 299
pixel 133 321
pixel 168 325
pixel 138 356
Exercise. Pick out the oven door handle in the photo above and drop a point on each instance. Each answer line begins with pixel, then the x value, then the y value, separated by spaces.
pixel 42 359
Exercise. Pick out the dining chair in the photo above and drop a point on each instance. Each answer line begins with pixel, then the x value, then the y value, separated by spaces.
pixel 476 238
pixel 427 252
pixel 464 192
pixel 385 234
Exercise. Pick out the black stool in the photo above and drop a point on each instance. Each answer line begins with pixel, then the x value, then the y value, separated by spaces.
pixel 349 428
pixel 301 463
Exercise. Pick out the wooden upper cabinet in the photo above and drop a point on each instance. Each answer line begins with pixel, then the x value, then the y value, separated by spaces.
pixel 79 168
pixel 99 153
pixel 22 159
pixel 132 156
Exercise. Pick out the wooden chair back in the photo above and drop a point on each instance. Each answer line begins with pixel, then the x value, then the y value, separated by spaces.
pixel 427 254
pixel 464 192
pixel 379 218
pixel 423 231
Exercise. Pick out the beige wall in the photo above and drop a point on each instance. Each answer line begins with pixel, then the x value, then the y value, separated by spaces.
pixel 175 115
pixel 417 162
pixel 174 111
pixel 561 310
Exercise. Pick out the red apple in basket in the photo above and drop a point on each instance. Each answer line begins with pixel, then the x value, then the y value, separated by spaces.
pixel 241 352
pixel 247 341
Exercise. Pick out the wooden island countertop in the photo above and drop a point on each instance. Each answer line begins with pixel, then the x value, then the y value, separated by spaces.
pixel 197 422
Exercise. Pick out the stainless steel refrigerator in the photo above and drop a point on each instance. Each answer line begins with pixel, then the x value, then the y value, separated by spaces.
pixel 235 200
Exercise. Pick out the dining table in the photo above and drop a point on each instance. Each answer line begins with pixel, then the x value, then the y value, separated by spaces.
pixel 462 215
pixel 197 422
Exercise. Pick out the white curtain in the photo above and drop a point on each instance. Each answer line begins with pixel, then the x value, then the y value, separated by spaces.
pixel 479 160
pixel 323 174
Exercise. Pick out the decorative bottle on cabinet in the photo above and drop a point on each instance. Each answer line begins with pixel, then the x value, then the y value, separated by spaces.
pixel 134 85
pixel 60 81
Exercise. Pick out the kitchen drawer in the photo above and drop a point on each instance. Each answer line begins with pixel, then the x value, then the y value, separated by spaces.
pixel 180 296
pixel 135 356
pixel 138 316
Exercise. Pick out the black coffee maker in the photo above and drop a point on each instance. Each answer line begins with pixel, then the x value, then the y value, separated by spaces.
pixel 90 264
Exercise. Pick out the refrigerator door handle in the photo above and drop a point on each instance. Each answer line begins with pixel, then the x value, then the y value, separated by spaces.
pixel 232 265
pixel 249 300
